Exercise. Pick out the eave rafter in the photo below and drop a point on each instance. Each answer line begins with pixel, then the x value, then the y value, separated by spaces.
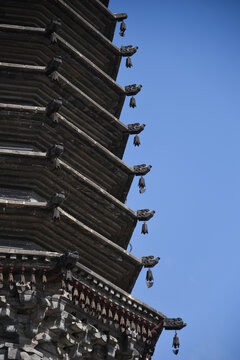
pixel 97 252
pixel 31 127
pixel 106 56
pixel 73 67
pixel 55 264
pixel 116 221
pixel 33 170
pixel 76 105
pixel 56 69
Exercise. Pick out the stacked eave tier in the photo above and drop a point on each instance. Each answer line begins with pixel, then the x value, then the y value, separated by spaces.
pixel 93 218
pixel 37 49
pixel 29 128
pixel 88 33
pixel 29 85
pixel 48 262
pixel 31 222
pixel 30 176
pixel 87 294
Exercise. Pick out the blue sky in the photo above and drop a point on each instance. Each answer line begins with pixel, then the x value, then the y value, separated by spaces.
pixel 188 63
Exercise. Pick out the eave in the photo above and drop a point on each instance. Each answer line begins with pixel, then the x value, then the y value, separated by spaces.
pixel 81 34
pixel 105 21
pixel 23 49
pixel 23 85
pixel 105 2
pixel 39 259
pixel 85 201
pixel 96 288
pixel 90 158
pixel 33 222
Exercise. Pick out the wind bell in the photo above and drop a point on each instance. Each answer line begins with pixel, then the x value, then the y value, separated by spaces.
pixel 149 278
pixel 175 344
pixel 132 103
pixel 123 28
pixel 136 141
pixel 142 185
pixel 144 228
pixel 129 62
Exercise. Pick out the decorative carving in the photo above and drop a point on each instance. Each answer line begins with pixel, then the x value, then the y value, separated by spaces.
pixel 53 65
pixel 53 106
pixel 132 89
pixel 145 214
pixel 53 153
pixel 173 324
pixel 52 27
pixel 135 128
pixel 142 169
pixel 128 50
pixel 53 120
pixel 68 260
pixel 149 261
pixel 51 326
pixel 57 199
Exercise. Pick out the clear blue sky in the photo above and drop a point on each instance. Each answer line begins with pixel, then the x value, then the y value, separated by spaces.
pixel 188 63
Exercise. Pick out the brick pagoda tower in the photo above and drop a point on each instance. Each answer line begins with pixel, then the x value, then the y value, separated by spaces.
pixel 65 274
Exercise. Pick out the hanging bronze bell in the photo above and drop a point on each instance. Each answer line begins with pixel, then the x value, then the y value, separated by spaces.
pixel 123 28
pixel 149 278
pixel 144 228
pixel 176 344
pixel 132 102
pixel 136 141
pixel 129 62
pixel 142 185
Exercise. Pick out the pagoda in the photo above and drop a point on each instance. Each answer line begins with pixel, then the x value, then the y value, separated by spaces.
pixel 65 274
